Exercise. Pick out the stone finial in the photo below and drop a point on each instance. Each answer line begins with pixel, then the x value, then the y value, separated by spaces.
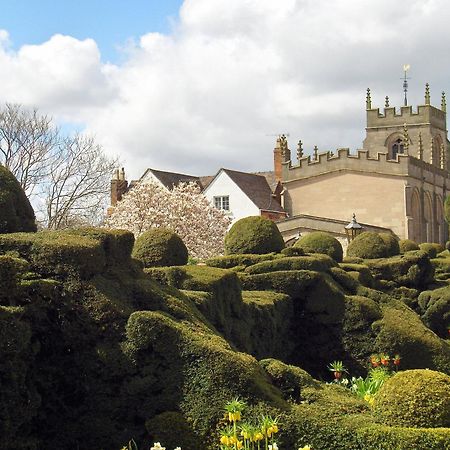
pixel 315 152
pixel 283 144
pixel 405 138
pixel 431 150
pixel 122 174
pixel 299 150
pixel 427 94
pixel 420 147
pixel 368 100
pixel 443 102
pixel 386 102
pixel 442 155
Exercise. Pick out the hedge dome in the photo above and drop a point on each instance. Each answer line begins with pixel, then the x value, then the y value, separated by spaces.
pixel 407 245
pixel 16 212
pixel 321 242
pixel 160 247
pixel 391 241
pixel 415 398
pixel 254 235
pixel 368 245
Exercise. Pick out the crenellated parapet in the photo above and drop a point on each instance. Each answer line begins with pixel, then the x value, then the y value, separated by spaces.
pixel 361 161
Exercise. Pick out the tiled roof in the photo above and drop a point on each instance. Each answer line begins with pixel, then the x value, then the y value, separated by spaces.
pixel 270 177
pixel 171 179
pixel 256 188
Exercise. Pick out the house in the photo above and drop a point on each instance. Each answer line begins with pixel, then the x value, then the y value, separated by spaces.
pixel 398 180
pixel 242 194
pixel 239 194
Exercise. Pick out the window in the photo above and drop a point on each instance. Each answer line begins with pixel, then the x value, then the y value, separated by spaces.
pixel 397 147
pixel 222 202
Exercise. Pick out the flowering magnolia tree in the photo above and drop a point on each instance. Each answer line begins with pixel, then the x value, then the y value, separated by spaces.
pixel 184 210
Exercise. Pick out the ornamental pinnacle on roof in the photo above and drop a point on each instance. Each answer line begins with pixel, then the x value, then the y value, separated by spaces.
pixel 443 102
pixel 386 102
pixel 299 150
pixel 442 154
pixel 405 138
pixel 368 99
pixel 431 150
pixel 420 147
pixel 316 151
pixel 427 94
pixel 405 82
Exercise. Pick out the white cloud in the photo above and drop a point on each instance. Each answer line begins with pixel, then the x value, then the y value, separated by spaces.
pixel 232 73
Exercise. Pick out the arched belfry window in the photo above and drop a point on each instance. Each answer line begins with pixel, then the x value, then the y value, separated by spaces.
pixel 396 148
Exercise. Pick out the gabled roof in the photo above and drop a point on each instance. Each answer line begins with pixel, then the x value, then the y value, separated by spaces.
pixel 256 188
pixel 171 179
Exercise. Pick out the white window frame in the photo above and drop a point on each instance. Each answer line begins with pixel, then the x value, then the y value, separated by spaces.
pixel 222 202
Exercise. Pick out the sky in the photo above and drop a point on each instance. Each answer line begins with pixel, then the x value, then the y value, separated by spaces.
pixel 192 86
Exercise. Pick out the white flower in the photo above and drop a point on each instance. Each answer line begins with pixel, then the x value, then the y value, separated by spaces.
pixel 157 446
pixel 178 448
pixel 273 447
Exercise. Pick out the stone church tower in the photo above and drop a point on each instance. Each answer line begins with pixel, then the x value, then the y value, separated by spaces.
pixel 397 181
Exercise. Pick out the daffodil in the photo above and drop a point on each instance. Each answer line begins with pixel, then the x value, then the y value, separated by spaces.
pixel 306 447
pixel 274 446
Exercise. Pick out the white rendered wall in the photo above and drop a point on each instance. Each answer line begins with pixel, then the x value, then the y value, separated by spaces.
pixel 149 177
pixel 240 205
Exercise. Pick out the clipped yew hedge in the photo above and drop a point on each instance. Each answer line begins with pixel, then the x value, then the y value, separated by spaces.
pixel 16 212
pixel 321 242
pixel 254 235
pixel 159 247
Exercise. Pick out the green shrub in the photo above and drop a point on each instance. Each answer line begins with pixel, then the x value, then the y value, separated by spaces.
pixel 117 244
pixel 367 245
pixel 401 331
pixel 10 271
pixel 16 212
pixel 360 272
pixel 441 265
pixel 160 247
pixel 292 251
pixel 255 235
pixel 415 398
pixel 56 252
pixel 230 261
pixel 435 309
pixel 321 242
pixel 391 241
pixel 289 379
pixel 412 269
pixel 322 263
pixel 431 248
pixel 406 245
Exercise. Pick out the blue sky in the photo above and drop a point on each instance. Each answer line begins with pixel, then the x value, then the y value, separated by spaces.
pixel 109 22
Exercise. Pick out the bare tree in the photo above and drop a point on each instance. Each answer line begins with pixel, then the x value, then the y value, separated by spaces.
pixel 27 143
pixel 78 183
pixel 66 177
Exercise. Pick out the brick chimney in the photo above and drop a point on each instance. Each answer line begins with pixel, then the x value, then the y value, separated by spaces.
pixel 119 186
pixel 281 154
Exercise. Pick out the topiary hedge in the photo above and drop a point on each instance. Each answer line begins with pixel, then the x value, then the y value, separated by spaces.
pixel 16 212
pixel 431 248
pixel 435 308
pixel 230 261
pixel 367 245
pixel 159 247
pixel 391 241
pixel 255 235
pixel 321 242
pixel 412 269
pixel 415 398
pixel 406 245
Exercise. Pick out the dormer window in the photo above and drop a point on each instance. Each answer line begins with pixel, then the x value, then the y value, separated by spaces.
pixel 397 148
